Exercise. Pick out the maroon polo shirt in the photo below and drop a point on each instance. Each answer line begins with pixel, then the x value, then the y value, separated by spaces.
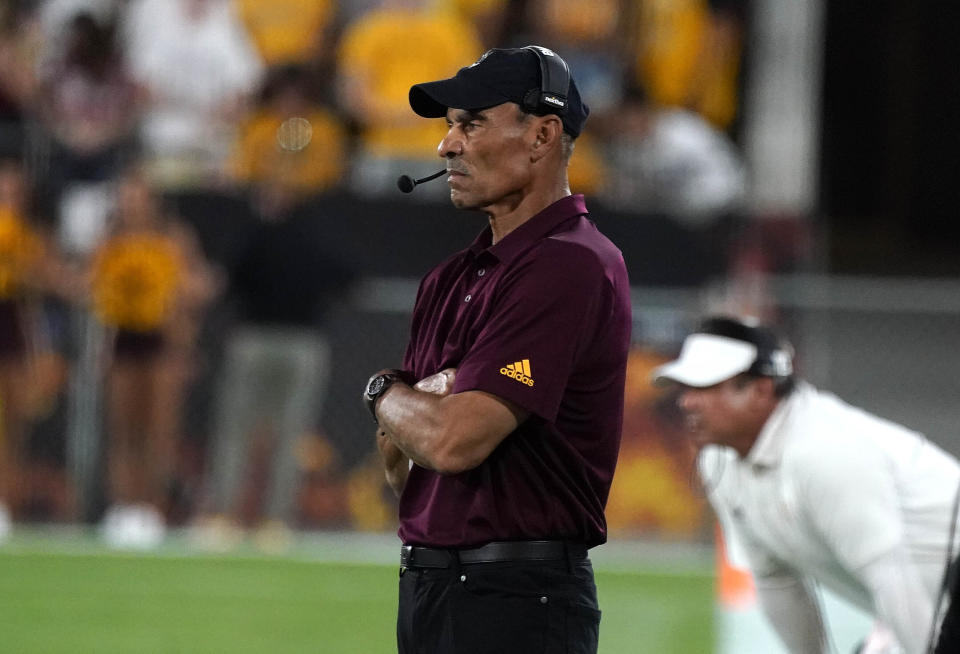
pixel 542 319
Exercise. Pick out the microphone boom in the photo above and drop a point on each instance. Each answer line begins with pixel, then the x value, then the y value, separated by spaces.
pixel 406 183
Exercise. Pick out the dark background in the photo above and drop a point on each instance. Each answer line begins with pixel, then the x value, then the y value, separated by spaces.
pixel 890 178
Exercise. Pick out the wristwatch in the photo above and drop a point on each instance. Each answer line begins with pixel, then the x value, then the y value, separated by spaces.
pixel 378 385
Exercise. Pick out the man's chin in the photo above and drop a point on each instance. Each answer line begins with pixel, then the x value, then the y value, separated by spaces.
pixel 460 201
pixel 698 438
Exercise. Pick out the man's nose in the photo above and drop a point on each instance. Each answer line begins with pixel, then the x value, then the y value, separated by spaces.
pixel 687 399
pixel 451 146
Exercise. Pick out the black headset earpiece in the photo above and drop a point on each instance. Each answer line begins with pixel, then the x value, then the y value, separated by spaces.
pixel 551 97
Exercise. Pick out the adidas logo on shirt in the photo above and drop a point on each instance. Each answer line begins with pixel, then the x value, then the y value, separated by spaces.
pixel 519 370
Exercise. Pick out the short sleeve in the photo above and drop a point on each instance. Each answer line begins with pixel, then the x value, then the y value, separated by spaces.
pixel 547 309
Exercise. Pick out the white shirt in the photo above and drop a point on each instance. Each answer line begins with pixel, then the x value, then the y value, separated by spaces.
pixel 192 64
pixel 855 502
pixel 682 166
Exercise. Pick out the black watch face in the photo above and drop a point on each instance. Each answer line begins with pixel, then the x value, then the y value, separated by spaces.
pixel 376 385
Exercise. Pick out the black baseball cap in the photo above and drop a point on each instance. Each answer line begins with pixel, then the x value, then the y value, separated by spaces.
pixel 500 75
pixel 723 347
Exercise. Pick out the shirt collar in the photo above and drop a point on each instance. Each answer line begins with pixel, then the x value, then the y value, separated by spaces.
pixel 767 451
pixel 531 231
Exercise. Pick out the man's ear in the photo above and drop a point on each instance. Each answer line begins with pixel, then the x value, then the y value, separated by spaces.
pixel 546 136
pixel 765 389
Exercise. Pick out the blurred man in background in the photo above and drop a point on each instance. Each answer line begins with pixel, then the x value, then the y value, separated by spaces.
pixel 520 345
pixel 815 490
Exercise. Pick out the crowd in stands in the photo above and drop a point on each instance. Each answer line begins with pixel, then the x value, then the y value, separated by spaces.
pixel 111 110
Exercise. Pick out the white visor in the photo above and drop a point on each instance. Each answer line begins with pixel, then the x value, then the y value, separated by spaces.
pixel 706 359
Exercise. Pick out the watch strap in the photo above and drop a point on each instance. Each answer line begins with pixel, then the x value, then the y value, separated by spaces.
pixel 390 377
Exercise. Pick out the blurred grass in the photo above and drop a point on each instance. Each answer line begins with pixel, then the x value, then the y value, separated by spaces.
pixel 656 613
pixel 96 601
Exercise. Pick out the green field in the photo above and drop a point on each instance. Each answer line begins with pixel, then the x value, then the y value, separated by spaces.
pixel 90 600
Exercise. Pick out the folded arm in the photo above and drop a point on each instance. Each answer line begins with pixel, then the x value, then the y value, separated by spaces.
pixel 443 431
pixel 428 424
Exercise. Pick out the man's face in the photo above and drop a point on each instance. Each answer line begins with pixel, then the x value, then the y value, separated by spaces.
pixel 488 155
pixel 730 413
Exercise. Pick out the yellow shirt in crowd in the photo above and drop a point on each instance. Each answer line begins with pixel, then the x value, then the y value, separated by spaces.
pixel 575 21
pixel 313 166
pixel 20 251
pixel 286 31
pixel 386 52
pixel 675 64
pixel 135 281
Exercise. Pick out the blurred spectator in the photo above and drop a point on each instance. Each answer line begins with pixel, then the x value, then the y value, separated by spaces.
pixel 149 286
pixel 487 16
pixel 274 376
pixel 322 500
pixel 370 502
pixel 19 44
pixel 587 171
pixel 290 31
pixel 586 35
pixel 199 68
pixel 350 10
pixel 292 146
pixel 670 160
pixel 26 269
pixel 88 104
pixel 687 53
pixel 56 15
pixel 382 54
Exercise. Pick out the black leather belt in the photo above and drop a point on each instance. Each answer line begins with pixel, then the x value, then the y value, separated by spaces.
pixel 415 556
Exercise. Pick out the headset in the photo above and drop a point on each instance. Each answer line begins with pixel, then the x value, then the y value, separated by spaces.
pixel 551 97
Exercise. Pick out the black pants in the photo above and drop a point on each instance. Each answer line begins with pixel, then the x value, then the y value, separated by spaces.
pixel 522 607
